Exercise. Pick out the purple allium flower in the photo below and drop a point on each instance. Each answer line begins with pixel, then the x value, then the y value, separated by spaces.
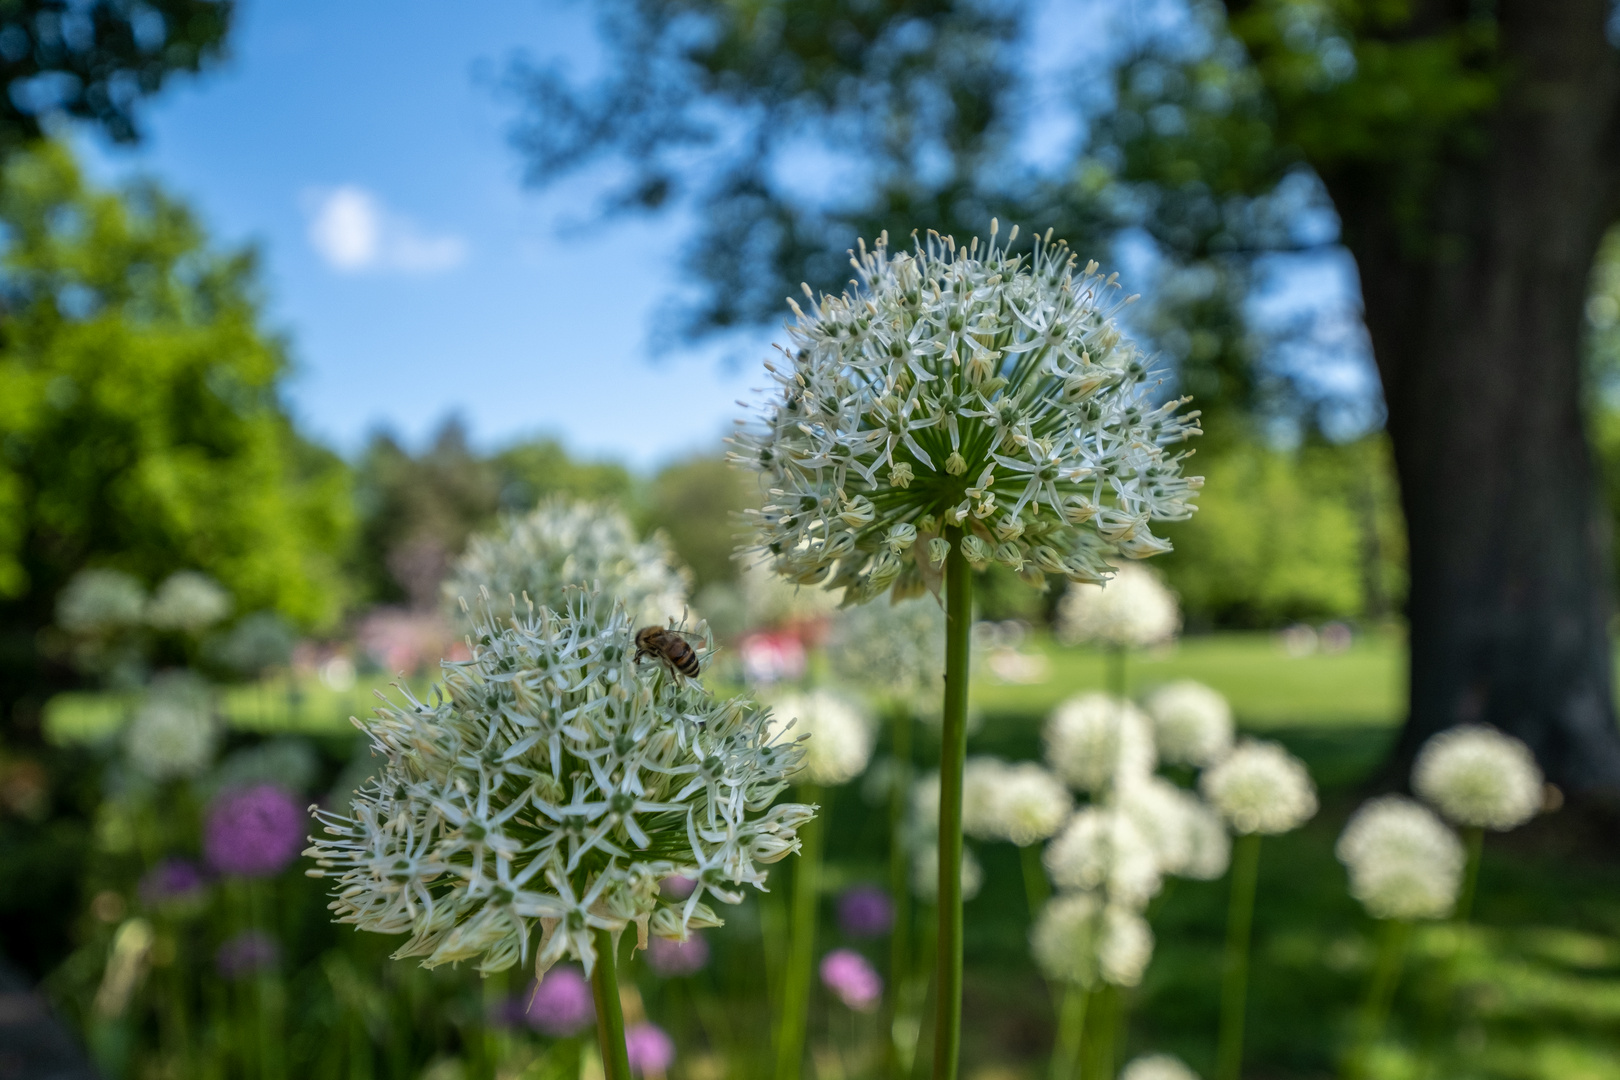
pixel 254 832
pixel 865 911
pixel 560 1005
pixel 248 953
pixel 650 1049
pixel 676 887
pixel 847 974
pixel 170 881
pixel 669 958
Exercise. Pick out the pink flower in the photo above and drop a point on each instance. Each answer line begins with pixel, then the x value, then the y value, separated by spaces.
pixel 669 958
pixel 650 1050
pixel 847 974
pixel 560 1005
pixel 254 832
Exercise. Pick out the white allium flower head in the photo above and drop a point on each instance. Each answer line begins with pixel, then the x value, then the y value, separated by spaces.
pixel 1095 741
pixel 553 780
pixel 1157 1067
pixel 1192 723
pixel 1477 776
pixel 1132 609
pixel 965 386
pixel 96 601
pixel 894 650
pixel 1404 862
pixel 1103 849
pixel 1079 938
pixel 839 742
pixel 925 872
pixel 1260 788
pixel 562 544
pixel 188 601
pixel 1020 803
pixel 1185 835
pixel 172 733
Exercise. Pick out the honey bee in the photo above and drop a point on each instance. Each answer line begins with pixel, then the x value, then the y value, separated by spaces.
pixel 670 648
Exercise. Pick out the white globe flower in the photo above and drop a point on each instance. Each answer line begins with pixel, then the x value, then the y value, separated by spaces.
pixel 188 601
pixel 893 650
pixel 981 779
pixel 1192 724
pixel 925 872
pixel 1260 788
pixel 553 780
pixel 1102 849
pixel 562 544
pixel 965 388
pixel 1131 610
pixel 1094 741
pixel 1404 862
pixel 173 733
pixel 1211 844
pixel 98 601
pixel 839 742
pixel 1080 939
pixel 1185 835
pixel 1476 776
pixel 1158 1067
pixel 1029 805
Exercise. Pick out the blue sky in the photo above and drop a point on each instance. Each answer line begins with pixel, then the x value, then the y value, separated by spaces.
pixel 357 145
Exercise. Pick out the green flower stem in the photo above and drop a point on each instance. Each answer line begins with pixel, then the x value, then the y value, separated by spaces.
pixel 897 1059
pixel 1103 1015
pixel 609 1013
pixel 1380 994
pixel 953 751
pixel 795 1014
pixel 1071 1034
pixel 1235 977
pixel 1036 889
pixel 1474 839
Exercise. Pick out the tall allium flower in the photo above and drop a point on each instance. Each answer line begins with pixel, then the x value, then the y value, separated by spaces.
pixel 1261 788
pixel 188 601
pixel 1021 803
pixel 1157 1067
pixel 559 1004
pixel 1478 777
pixel 1185 835
pixel 892 650
pixel 1103 849
pixel 1095 741
pixel 839 742
pixel 1192 724
pixel 555 780
pixel 851 979
pixel 1080 939
pixel 966 387
pixel 650 1049
pixel 98 601
pixel 1404 862
pixel 1132 610
pixel 564 543
pixel 173 732
pixel 253 832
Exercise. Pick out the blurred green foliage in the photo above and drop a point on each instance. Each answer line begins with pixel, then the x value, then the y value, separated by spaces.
pixel 698 503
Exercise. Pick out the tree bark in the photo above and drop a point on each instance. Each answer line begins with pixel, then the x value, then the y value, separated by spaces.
pixel 1476 327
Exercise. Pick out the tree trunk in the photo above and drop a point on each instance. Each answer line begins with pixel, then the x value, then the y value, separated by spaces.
pixel 1476 325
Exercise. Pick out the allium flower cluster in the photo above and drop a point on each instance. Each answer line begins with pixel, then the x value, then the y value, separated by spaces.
pixel 851 979
pixel 839 742
pixel 1157 1067
pixel 1260 788
pixel 1192 724
pixel 1476 776
pixel 1103 849
pixel 560 1003
pixel 556 780
pixel 967 387
pixel 893 650
pixel 649 1049
pixel 189 602
pixel 865 911
pixel 173 732
pixel 98 601
pixel 253 832
pixel 1186 837
pixel 1095 741
pixel 1020 803
pixel 1404 862
pixel 1132 610
pixel 1079 939
pixel 562 543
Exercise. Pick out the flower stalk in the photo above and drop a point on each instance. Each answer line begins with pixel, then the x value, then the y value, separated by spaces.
pixel 609 1013
pixel 953 754
pixel 1235 974
pixel 795 1015
pixel 1380 993
pixel 1071 1034
pixel 898 1058
pixel 1474 843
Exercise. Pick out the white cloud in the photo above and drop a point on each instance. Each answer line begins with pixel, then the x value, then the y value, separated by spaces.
pixel 353 233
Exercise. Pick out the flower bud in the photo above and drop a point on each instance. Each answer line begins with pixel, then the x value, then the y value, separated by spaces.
pixel 858 512
pixel 956 465
pixel 900 475
pixel 901 536
pixel 1048 559
pixel 928 523
pixel 938 549
pixel 975 550
pixel 1010 528
pixel 1010 555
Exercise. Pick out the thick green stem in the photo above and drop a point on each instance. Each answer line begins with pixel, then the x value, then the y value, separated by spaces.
pixel 1380 994
pixel 609 1013
pixel 953 750
pixel 898 1057
pixel 1474 838
pixel 795 1018
pixel 1071 1034
pixel 1235 977
pixel 1104 1020
pixel 1036 888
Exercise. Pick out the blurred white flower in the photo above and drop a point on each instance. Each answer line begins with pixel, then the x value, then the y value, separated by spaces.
pixel 188 601
pixel 1080 939
pixel 1477 776
pixel 1404 862
pixel 925 872
pixel 895 650
pixel 1102 849
pixel 98 601
pixel 1094 741
pixel 1260 788
pixel 1157 1067
pixel 1021 802
pixel 552 780
pixel 173 733
pixel 962 386
pixel 769 600
pixel 1192 724
pixel 563 543
pixel 840 739
pixel 1132 610
pixel 1185 835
